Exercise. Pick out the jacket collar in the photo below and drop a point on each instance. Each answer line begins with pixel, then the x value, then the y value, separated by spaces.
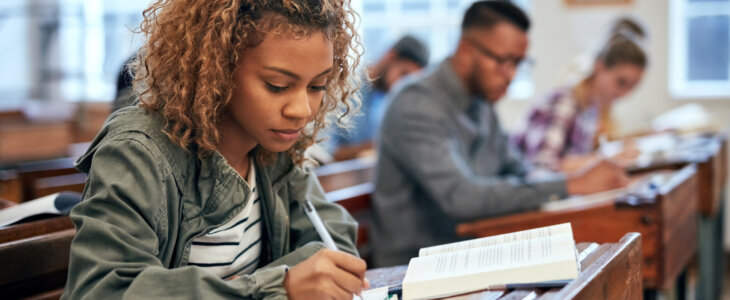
pixel 136 119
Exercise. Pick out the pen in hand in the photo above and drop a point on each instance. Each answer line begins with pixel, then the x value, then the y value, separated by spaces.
pixel 321 230
pixel 318 225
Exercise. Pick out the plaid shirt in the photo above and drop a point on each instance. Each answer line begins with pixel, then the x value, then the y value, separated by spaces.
pixel 557 126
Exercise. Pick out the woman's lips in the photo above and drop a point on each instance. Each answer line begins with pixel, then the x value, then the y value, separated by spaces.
pixel 287 135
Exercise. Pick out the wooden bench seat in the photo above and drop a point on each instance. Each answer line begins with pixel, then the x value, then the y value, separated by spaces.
pixel 34 257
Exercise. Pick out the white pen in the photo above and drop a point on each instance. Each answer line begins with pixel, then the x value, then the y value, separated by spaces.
pixel 321 230
pixel 318 225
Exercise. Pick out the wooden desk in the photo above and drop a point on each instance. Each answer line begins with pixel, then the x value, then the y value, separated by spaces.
pixel 25 140
pixel 64 183
pixel 15 115
pixel 30 172
pixel 709 152
pixel 347 173
pixel 665 219
pixel 34 258
pixel 6 203
pixel 10 187
pixel 610 271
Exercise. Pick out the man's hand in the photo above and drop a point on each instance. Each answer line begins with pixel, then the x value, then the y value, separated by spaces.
pixel 600 175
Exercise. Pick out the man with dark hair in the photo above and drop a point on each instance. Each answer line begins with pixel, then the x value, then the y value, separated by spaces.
pixel 443 157
pixel 408 55
pixel 125 80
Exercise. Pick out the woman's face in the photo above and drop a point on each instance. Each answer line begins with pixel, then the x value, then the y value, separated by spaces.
pixel 279 86
pixel 615 82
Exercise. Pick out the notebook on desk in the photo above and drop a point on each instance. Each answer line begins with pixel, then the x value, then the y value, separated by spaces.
pixel 643 186
pixel 538 257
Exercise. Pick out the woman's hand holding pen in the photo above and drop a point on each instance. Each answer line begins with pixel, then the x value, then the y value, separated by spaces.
pixel 328 274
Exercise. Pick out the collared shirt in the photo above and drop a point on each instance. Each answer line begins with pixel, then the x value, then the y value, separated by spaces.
pixel 556 127
pixel 444 159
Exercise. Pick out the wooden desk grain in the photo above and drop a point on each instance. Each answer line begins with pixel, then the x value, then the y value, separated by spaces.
pixel 666 221
pixel 609 271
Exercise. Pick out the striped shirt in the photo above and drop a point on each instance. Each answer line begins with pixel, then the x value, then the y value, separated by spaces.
pixel 233 248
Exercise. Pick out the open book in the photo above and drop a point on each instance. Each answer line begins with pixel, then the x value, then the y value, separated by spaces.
pixel 46 206
pixel 543 256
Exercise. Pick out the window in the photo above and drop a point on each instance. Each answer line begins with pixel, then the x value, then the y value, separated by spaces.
pixel 435 22
pixel 67 49
pixel 699 56
pixel 73 49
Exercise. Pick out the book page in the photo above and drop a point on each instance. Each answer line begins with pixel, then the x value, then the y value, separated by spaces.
pixel 43 205
pixel 495 257
pixel 546 258
pixel 498 239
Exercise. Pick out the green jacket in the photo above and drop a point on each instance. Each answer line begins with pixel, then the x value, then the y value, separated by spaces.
pixel 146 199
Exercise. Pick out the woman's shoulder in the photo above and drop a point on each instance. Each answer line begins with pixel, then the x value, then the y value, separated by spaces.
pixel 133 119
pixel 559 98
pixel 560 94
pixel 135 125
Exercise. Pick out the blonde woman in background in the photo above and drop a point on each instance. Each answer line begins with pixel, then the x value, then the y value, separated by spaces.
pixel 570 119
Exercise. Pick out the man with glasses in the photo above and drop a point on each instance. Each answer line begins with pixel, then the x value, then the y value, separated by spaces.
pixel 443 157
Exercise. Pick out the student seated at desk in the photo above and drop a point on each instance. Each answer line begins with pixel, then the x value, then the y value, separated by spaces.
pixel 407 56
pixel 570 120
pixel 196 193
pixel 443 157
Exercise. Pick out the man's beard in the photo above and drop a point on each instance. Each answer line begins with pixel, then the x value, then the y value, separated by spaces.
pixel 474 86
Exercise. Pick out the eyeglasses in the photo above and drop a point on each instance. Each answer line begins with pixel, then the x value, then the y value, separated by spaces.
pixel 506 63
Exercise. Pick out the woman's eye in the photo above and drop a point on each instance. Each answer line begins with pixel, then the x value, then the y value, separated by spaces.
pixel 275 88
pixel 319 87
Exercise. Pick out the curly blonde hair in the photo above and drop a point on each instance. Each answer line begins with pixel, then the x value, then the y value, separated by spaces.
pixel 184 71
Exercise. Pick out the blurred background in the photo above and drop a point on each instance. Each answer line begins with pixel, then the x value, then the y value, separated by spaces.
pixel 60 60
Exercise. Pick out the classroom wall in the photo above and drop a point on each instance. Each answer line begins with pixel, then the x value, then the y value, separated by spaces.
pixel 560 33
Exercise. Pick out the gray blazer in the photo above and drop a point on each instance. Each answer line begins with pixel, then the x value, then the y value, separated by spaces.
pixel 444 159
